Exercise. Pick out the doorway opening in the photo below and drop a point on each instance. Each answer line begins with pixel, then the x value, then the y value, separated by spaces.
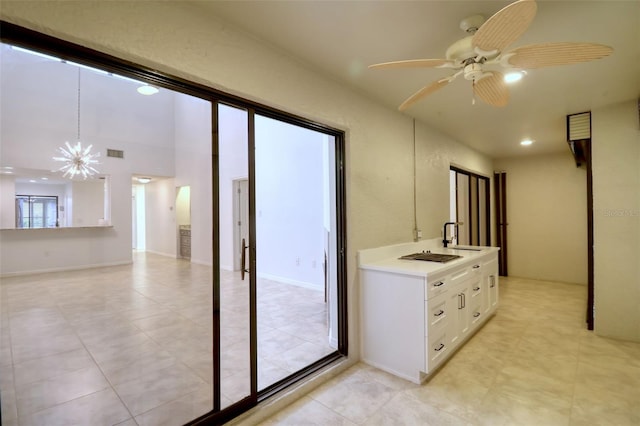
pixel 183 221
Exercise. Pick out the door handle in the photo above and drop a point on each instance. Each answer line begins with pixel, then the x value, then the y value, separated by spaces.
pixel 243 260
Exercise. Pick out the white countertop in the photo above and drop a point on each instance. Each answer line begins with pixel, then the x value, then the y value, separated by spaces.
pixel 58 228
pixel 386 259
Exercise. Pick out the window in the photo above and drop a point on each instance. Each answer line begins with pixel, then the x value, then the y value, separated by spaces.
pixel 36 211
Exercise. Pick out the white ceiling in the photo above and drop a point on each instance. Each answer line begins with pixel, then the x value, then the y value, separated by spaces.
pixel 341 38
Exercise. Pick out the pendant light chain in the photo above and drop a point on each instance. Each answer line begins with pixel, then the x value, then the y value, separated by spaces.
pixel 78 104
pixel 78 161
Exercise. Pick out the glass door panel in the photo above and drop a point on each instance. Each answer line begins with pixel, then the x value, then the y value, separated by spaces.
pixel 235 272
pixel 295 248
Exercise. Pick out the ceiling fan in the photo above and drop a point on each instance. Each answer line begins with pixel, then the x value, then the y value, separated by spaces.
pixel 472 55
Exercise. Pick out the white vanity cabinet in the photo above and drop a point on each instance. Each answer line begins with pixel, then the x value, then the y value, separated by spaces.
pixel 415 314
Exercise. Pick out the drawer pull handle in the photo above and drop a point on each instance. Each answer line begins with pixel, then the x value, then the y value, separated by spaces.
pixel 476 266
pixel 439 348
pixel 476 314
pixel 437 314
pixel 438 284
pixel 476 288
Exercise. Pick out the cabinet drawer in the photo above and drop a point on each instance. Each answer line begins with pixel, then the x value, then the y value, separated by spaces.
pixel 437 315
pixel 476 289
pixel 476 312
pixel 436 287
pixel 437 350
pixel 440 284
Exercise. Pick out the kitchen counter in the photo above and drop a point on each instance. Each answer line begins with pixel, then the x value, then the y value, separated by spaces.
pixel 387 259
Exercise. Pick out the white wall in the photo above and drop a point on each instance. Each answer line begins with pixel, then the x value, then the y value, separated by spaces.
pixel 616 205
pixel 233 160
pixel 547 216
pixel 289 202
pixel 7 202
pixel 183 206
pixel 192 133
pixel 88 202
pixel 379 140
pixel 160 217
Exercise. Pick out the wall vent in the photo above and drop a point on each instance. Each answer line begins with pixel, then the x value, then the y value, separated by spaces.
pixel 115 153
pixel 579 135
pixel 579 126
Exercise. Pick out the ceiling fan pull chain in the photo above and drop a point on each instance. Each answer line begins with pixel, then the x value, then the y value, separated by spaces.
pixel 473 96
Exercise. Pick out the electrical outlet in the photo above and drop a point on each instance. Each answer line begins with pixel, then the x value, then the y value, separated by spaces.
pixel 297 261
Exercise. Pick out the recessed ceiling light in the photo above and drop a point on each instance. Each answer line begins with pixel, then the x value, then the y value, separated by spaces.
pixel 514 76
pixel 44 178
pixel 147 90
pixel 526 142
pixel 32 180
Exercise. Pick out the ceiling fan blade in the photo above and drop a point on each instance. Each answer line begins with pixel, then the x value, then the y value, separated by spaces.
pixel 551 54
pixel 506 26
pixel 492 89
pixel 412 63
pixel 424 92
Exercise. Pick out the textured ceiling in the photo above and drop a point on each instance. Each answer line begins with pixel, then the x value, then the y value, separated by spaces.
pixel 341 38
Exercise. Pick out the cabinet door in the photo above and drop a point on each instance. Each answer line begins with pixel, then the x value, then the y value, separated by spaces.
pixel 490 285
pixel 459 318
pixel 493 291
pixel 476 306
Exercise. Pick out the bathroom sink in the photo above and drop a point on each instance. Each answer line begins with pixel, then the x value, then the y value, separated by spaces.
pixel 431 257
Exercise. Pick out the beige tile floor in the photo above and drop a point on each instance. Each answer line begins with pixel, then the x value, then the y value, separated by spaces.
pixel 534 363
pixel 131 345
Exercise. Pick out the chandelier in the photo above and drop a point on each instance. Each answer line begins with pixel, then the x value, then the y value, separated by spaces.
pixel 77 160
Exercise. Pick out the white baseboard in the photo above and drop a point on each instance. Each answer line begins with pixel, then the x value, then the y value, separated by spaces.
pixel 160 253
pixel 64 269
pixel 202 262
pixel 286 280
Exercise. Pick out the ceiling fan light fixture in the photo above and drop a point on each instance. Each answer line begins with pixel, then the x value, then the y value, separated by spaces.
pixel 513 76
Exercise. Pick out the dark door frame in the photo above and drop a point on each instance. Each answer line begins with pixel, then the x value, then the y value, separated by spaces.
pixel 500 191
pixel 487 209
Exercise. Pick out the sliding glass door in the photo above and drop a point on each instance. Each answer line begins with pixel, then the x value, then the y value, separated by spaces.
pixel 470 207
pixel 276 296
pixel 259 303
pixel 295 247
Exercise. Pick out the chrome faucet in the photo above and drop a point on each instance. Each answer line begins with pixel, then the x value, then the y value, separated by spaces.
pixel 453 236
